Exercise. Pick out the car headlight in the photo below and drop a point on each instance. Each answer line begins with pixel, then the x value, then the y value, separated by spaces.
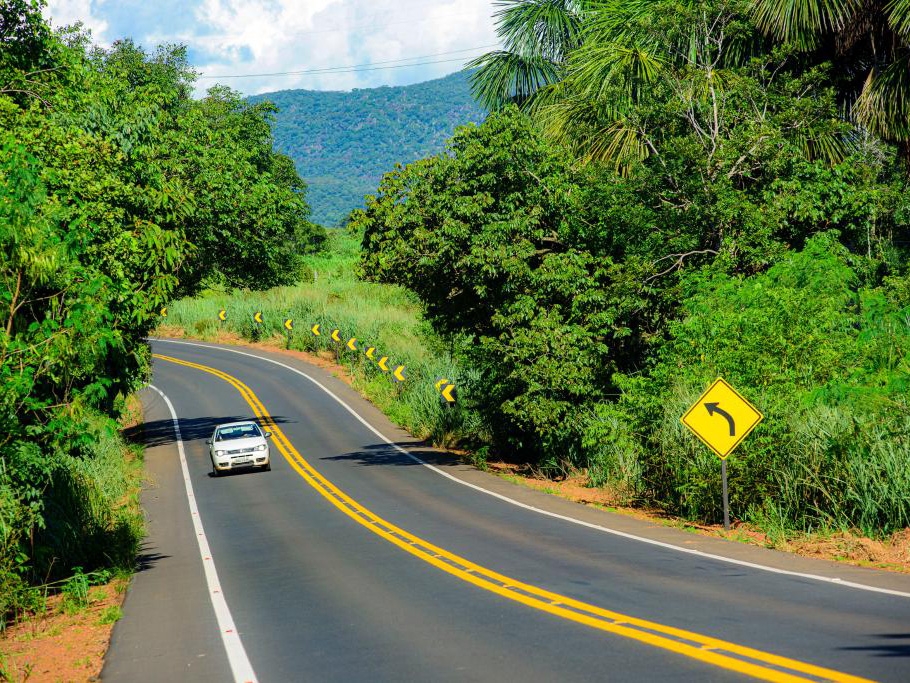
pixel 219 452
pixel 260 447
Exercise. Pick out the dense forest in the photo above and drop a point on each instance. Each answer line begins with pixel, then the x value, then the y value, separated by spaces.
pixel 342 142
pixel 118 191
pixel 668 192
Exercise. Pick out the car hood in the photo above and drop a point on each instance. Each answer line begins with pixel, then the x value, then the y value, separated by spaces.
pixel 238 444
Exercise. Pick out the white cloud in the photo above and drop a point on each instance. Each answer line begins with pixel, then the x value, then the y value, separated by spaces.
pixel 239 37
pixel 68 12
pixel 291 36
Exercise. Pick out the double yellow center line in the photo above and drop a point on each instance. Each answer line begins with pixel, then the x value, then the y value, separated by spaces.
pixel 745 660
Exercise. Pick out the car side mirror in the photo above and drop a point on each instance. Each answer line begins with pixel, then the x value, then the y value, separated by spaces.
pixel 208 442
pixel 268 435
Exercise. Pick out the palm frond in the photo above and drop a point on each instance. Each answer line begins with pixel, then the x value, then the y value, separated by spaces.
pixel 548 28
pixel 596 68
pixel 503 77
pixel 595 130
pixel 883 106
pixel 802 21
pixel 898 12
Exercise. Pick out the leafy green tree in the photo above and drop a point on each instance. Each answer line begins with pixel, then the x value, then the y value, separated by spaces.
pixel 111 202
pixel 868 40
pixel 490 238
pixel 249 226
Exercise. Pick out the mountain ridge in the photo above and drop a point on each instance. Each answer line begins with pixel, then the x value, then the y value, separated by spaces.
pixel 343 141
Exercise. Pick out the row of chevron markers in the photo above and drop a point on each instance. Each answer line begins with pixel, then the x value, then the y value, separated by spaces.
pixel 369 352
pixel 445 387
pixel 257 318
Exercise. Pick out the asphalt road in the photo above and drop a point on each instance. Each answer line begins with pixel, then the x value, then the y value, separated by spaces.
pixel 361 585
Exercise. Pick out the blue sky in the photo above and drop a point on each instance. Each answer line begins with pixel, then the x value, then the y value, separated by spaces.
pixel 252 38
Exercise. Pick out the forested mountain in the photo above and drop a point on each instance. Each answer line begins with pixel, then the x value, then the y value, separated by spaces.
pixel 342 142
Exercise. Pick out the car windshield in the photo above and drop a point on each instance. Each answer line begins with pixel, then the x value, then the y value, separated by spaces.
pixel 243 431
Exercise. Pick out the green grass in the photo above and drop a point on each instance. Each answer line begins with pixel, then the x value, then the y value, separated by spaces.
pixel 110 615
pixel 382 316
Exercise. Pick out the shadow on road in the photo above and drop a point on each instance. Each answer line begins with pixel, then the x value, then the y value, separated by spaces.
pixel 146 560
pixel 886 649
pixel 384 454
pixel 161 432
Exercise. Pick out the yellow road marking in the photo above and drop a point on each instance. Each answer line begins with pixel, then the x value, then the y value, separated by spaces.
pixel 762 665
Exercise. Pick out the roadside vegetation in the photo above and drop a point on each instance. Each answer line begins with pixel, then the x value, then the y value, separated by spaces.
pixel 118 192
pixel 387 317
pixel 667 193
pixel 664 193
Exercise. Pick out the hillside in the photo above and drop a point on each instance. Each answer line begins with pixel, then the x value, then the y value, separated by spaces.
pixel 342 142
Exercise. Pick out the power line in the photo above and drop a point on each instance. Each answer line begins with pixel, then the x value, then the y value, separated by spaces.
pixel 355 68
pixel 375 27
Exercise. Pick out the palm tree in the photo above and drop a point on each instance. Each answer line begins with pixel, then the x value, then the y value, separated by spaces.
pixel 869 40
pixel 537 36
pixel 581 68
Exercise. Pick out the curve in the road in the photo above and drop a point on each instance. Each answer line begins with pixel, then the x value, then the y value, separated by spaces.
pixel 831 580
pixel 720 653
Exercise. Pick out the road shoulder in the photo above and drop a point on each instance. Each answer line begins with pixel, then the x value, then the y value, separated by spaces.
pixel 168 630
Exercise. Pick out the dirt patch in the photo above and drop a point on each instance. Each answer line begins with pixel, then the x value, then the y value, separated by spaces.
pixel 62 646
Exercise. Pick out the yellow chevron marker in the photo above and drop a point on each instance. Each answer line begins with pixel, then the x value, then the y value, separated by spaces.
pixel 370 352
pixel 289 324
pixel 315 329
pixel 352 343
pixel 399 373
pixel 257 317
pixel 447 393
pixel 222 315
pixel 164 312
pixel 440 382
pixel 382 364
pixel 335 336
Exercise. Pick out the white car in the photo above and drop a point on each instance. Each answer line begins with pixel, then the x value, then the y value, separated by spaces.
pixel 239 444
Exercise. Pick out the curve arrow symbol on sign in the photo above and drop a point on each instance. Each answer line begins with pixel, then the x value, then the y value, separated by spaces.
pixel 370 352
pixel 222 315
pixel 315 329
pixel 289 325
pixel 440 382
pixel 257 317
pixel 335 336
pixel 447 393
pixel 164 312
pixel 713 408
pixel 352 343
pixel 399 373
pixel 382 363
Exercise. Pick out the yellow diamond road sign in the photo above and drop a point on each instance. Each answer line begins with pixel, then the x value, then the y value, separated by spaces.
pixel 722 418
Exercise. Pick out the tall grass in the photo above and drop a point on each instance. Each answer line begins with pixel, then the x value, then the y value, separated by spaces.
pixel 385 317
pixel 88 515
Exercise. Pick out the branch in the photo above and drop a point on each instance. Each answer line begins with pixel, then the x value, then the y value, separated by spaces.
pixel 678 263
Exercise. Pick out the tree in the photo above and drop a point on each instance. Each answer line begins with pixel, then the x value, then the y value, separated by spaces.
pixel 867 40
pixel 538 36
pixel 117 192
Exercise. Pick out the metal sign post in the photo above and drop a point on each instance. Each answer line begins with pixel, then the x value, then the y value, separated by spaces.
pixel 722 418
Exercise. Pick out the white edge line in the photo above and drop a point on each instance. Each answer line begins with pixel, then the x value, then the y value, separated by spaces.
pixel 650 541
pixel 239 662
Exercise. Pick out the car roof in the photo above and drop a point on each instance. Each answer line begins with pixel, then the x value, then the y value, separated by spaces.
pixel 237 424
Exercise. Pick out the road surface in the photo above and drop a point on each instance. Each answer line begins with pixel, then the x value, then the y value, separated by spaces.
pixel 364 557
